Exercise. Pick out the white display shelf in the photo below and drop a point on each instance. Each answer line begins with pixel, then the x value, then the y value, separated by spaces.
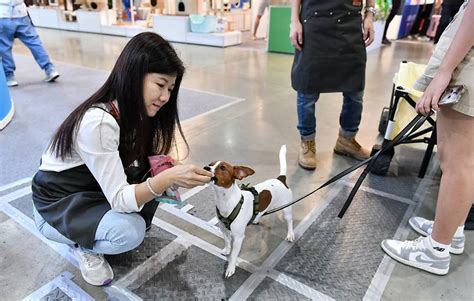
pixel 45 16
pixel 215 39
pixel 114 30
pixel 172 28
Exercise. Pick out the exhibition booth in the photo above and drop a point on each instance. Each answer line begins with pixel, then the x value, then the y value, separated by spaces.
pixel 206 22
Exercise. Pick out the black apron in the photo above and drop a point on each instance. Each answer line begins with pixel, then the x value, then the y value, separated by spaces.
pixel 72 202
pixel 333 55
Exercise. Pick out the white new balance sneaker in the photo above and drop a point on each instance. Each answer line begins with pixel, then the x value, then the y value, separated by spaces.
pixel 419 254
pixel 425 227
pixel 11 82
pixel 51 75
pixel 94 268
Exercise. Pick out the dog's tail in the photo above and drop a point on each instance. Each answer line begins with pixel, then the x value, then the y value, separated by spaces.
pixel 283 160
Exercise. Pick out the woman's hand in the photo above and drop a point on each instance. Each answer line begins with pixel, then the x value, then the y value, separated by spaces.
pixel 296 34
pixel 187 175
pixel 433 93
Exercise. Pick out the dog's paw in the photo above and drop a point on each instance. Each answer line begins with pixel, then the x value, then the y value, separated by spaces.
pixel 226 251
pixel 290 237
pixel 230 271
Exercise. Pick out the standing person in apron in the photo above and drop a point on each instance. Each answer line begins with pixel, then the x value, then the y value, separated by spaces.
pixel 330 39
pixel 451 64
pixel 90 191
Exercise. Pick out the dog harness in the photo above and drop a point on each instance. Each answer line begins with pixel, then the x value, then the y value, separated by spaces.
pixel 227 221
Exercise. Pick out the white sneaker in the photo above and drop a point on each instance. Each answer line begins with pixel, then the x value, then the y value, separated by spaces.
pixel 51 76
pixel 94 268
pixel 425 227
pixel 418 253
pixel 11 82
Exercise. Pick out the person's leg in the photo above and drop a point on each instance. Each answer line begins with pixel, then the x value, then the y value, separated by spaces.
pixel 447 14
pixel 306 108
pixel 426 19
pixel 255 27
pixel 7 30
pixel 48 231
pixel 119 232
pixel 456 156
pixel 393 13
pixel 27 34
pixel 116 233
pixel 455 134
pixel 349 120
pixel 351 112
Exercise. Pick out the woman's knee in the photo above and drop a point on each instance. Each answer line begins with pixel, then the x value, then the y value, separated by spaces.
pixel 127 231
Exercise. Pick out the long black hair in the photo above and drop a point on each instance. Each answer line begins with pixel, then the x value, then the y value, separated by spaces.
pixel 140 135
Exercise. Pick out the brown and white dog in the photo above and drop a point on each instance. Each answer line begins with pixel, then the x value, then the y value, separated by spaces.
pixel 236 208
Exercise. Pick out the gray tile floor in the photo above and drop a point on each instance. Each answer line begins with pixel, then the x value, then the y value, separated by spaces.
pixel 186 262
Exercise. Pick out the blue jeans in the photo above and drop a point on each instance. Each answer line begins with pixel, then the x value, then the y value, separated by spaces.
pixel 349 119
pixel 23 29
pixel 117 232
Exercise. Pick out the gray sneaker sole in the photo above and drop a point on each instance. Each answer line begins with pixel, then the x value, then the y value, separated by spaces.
pixel 452 250
pixel 420 266
pixel 51 79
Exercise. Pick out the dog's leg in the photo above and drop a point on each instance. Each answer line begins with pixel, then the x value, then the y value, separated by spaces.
pixel 288 214
pixel 237 239
pixel 227 239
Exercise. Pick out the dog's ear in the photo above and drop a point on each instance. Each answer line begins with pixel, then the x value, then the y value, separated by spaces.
pixel 241 172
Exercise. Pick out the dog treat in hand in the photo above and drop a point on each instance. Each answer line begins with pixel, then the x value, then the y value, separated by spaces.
pixel 159 163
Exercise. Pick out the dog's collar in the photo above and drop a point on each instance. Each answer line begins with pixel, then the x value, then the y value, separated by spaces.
pixel 227 221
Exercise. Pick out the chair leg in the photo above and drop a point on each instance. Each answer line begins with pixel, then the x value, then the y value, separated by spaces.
pixel 428 153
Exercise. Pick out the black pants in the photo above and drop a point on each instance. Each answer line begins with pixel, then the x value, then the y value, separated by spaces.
pixel 393 13
pixel 447 14
pixel 422 21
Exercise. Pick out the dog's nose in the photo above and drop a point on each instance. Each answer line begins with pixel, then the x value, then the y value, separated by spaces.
pixel 208 168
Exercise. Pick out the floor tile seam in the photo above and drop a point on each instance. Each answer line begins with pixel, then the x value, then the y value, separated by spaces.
pixel 116 293
pixel 28 224
pixel 68 64
pixel 381 193
pixel 14 195
pixel 65 284
pixel 156 263
pixel 186 217
pixel 212 111
pixel 15 184
pixel 202 244
pixel 298 286
pixel 216 94
pixel 386 267
pixel 267 268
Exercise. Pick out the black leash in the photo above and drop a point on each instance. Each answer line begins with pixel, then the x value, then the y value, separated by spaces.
pixel 415 124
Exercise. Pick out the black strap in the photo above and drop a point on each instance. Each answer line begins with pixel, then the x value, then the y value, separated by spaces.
pixel 255 201
pixel 411 127
pixel 227 221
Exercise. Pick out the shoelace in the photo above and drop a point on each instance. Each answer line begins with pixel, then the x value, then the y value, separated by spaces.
pixel 416 244
pixel 92 259
pixel 309 146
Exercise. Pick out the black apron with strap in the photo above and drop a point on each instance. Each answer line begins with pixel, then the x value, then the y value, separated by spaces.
pixel 72 202
pixel 333 58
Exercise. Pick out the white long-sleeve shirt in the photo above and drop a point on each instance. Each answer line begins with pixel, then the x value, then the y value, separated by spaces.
pixel 96 146
pixel 12 9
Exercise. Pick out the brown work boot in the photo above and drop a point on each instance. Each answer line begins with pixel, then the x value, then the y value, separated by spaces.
pixel 351 148
pixel 307 154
